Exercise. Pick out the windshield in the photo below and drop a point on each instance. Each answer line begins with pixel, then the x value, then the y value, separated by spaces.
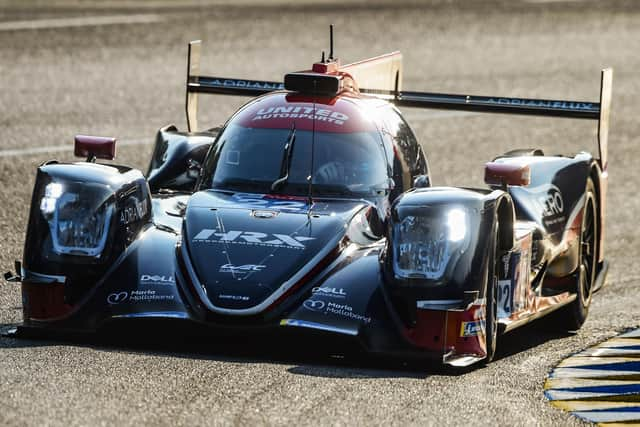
pixel 344 164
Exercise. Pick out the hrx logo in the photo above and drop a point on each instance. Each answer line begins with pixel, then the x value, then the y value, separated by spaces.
pixel 251 238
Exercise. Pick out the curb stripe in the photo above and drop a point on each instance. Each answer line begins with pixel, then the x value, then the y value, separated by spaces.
pixel 579 405
pixel 600 384
pixel 598 417
pixel 602 375
pixel 630 365
pixel 607 352
pixel 598 362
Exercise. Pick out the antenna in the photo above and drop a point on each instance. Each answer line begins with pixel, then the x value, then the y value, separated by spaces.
pixel 322 60
pixel 331 42
pixel 313 140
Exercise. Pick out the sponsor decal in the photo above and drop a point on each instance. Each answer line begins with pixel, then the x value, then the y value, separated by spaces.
pixel 314 305
pixel 137 296
pixel 248 84
pixel 117 297
pixel 505 298
pixel 252 238
pixel 561 105
pixel 330 292
pixel 245 268
pixel 301 112
pixel 230 268
pixel 471 329
pixel 505 264
pixel 148 295
pixel 234 297
pixel 341 310
pixel 345 310
pixel 550 203
pixel 134 212
pixel 157 279
pixel 265 202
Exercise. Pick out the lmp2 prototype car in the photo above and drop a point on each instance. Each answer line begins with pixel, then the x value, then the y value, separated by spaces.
pixel 312 212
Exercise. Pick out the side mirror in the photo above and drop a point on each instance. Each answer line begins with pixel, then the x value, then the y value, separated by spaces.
pixel 94 147
pixel 376 223
pixel 504 174
pixel 421 181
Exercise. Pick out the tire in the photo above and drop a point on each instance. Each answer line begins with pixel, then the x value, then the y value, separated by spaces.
pixel 491 296
pixel 572 317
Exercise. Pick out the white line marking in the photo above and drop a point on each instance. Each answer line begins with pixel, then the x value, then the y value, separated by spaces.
pixel 62 148
pixel 81 21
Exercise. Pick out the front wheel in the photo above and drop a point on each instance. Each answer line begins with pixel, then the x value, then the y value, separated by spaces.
pixel 492 319
pixel 491 296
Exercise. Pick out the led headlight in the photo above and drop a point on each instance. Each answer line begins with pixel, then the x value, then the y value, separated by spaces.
pixel 425 245
pixel 78 216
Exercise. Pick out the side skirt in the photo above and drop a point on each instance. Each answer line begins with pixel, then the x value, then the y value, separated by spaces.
pixel 506 326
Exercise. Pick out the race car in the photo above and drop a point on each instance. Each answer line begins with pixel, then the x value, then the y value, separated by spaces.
pixel 311 212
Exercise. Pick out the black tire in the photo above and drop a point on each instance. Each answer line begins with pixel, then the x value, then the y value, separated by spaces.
pixel 491 296
pixel 572 317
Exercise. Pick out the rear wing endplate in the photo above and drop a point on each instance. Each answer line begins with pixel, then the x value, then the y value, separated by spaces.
pixel 606 88
pixel 600 111
pixel 216 85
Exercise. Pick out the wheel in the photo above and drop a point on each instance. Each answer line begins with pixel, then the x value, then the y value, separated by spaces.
pixel 492 318
pixel 491 296
pixel 574 315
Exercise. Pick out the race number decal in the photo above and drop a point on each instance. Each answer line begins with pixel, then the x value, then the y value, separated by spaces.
pixel 505 297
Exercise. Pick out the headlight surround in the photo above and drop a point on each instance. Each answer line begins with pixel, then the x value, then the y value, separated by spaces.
pixel 79 217
pixel 428 240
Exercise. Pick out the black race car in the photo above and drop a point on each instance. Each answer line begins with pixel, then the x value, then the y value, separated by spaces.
pixel 312 211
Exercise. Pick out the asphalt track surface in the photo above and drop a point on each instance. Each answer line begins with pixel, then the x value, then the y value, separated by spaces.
pixel 76 72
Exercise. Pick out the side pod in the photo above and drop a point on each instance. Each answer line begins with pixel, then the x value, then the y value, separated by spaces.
pixel 442 246
pixel 83 216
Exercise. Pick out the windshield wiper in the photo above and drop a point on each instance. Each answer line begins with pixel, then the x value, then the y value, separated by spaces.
pixel 286 160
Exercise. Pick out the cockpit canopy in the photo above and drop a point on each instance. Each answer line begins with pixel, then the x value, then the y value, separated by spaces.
pixel 253 150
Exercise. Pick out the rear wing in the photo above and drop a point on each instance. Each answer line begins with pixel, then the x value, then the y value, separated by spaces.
pixel 382 77
pixel 525 106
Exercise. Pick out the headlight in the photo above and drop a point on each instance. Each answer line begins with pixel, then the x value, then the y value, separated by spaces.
pixel 456 224
pixel 79 216
pixel 424 245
